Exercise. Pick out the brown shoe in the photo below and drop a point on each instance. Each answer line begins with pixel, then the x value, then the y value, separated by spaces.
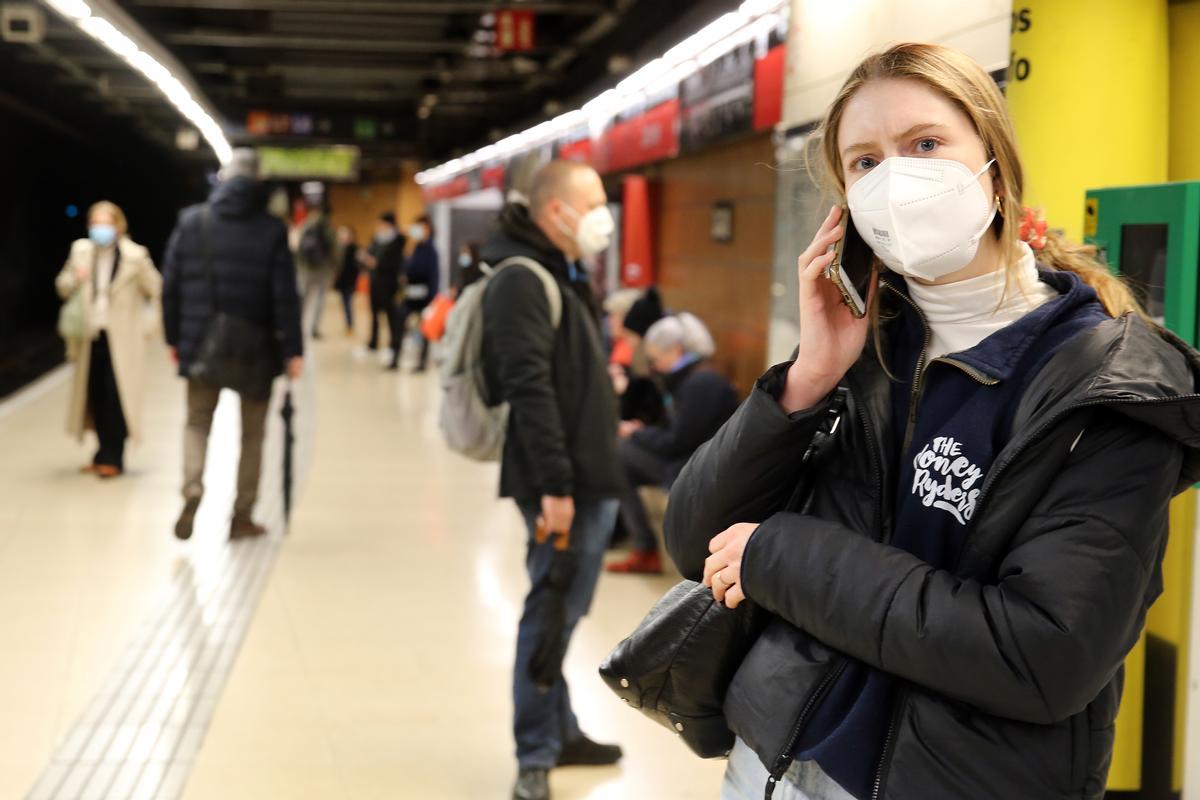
pixel 88 469
pixel 107 471
pixel 245 528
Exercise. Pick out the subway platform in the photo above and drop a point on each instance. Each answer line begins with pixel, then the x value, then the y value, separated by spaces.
pixel 364 653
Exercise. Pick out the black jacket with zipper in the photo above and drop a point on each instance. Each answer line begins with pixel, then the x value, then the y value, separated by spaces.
pixel 1011 662
pixel 562 430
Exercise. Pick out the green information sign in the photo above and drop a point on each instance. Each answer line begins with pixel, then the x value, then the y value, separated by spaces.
pixel 332 163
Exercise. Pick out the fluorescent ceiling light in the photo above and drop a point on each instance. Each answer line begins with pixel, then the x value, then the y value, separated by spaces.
pixel 706 37
pixel 95 25
pixel 71 9
pixel 754 19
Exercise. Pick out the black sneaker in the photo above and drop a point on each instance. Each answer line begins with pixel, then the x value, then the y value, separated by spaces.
pixel 532 784
pixel 183 528
pixel 583 752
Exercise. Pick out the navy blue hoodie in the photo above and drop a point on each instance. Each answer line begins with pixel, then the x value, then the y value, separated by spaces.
pixel 950 430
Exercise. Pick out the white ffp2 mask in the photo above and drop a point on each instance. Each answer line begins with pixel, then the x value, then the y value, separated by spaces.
pixel 594 231
pixel 923 217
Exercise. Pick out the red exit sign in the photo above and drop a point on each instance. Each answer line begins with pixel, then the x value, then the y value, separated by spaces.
pixel 514 30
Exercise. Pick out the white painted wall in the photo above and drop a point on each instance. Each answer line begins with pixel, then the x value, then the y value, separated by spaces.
pixel 828 38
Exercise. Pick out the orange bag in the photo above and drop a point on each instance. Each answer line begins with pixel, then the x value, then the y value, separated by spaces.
pixel 433 321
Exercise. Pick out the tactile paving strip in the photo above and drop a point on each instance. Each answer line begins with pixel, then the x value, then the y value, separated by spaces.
pixel 141 733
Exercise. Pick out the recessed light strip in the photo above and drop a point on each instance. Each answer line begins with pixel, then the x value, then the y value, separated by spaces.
pixel 752 19
pixel 110 26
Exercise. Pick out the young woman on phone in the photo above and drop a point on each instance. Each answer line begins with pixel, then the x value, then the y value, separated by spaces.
pixel 984 527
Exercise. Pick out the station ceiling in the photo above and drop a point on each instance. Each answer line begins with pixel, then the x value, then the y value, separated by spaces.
pixel 422 75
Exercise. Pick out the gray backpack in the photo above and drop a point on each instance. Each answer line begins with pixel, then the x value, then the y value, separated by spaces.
pixel 469 424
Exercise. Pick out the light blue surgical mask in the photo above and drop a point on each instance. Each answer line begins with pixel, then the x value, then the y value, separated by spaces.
pixel 464 260
pixel 102 235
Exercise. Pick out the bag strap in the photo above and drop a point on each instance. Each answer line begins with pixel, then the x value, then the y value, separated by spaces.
pixel 824 433
pixel 549 283
pixel 206 253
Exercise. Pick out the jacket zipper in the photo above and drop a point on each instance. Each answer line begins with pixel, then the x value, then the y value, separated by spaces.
pixel 919 374
pixel 913 403
pixel 784 760
pixel 877 791
pixel 886 754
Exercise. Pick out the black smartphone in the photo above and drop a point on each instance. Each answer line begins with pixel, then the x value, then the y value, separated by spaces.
pixel 851 267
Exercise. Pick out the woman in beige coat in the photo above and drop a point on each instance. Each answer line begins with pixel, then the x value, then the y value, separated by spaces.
pixel 117 280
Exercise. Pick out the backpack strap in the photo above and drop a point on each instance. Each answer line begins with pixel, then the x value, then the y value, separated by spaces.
pixel 549 283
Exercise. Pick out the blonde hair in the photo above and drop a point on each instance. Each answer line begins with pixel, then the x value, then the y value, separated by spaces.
pixel 113 210
pixel 685 330
pixel 961 80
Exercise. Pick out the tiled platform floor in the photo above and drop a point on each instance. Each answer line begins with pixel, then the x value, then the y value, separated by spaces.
pixel 377 663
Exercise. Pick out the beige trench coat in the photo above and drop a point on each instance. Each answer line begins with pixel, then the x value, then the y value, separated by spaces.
pixel 133 319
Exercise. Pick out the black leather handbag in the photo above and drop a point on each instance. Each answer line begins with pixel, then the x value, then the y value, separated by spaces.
pixel 236 353
pixel 677 665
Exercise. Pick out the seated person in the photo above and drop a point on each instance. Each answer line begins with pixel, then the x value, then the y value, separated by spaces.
pixel 699 401
pixel 631 312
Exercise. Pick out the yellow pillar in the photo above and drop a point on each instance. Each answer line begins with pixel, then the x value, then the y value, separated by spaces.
pixel 1170 617
pixel 1088 92
pixel 1185 91
pixel 1088 95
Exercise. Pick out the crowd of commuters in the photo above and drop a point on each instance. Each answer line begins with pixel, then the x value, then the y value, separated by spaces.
pixel 953 579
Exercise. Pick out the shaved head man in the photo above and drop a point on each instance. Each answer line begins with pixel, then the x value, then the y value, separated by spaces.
pixel 560 462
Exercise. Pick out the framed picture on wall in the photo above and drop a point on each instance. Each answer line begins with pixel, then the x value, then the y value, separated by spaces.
pixel 722 221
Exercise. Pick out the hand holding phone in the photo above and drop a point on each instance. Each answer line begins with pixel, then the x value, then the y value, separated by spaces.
pixel 850 269
pixel 832 335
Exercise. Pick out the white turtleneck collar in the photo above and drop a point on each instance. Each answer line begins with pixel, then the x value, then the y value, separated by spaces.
pixel 964 313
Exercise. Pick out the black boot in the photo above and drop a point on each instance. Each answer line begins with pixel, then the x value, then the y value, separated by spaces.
pixel 583 752
pixel 532 784
pixel 183 528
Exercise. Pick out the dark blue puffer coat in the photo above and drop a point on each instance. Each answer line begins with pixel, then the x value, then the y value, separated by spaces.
pixel 255 275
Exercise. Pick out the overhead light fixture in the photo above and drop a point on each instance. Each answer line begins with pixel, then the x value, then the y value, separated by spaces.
pixel 91 20
pixel 71 9
pixel 754 20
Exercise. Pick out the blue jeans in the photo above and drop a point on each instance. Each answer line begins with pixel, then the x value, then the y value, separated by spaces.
pixel 543 721
pixel 746 779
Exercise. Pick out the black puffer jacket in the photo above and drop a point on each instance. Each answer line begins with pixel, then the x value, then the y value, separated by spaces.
pixel 1011 661
pixel 562 435
pixel 255 276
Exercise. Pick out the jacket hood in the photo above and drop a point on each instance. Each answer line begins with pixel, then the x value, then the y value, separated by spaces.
pixel 1130 367
pixel 238 197
pixel 516 234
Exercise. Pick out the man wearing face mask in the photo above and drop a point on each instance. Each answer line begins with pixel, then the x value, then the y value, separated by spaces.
pixel 384 259
pixel 420 285
pixel 560 461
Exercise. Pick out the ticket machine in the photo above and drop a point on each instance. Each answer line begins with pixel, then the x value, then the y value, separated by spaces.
pixel 1150 235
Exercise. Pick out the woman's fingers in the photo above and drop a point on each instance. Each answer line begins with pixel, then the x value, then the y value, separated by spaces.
pixel 822 242
pixel 816 268
pixel 735 596
pixel 712 565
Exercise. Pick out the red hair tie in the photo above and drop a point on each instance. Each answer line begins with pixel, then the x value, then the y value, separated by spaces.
pixel 1033 228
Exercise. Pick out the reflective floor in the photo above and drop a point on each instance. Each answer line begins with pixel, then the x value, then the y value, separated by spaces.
pixel 377 658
